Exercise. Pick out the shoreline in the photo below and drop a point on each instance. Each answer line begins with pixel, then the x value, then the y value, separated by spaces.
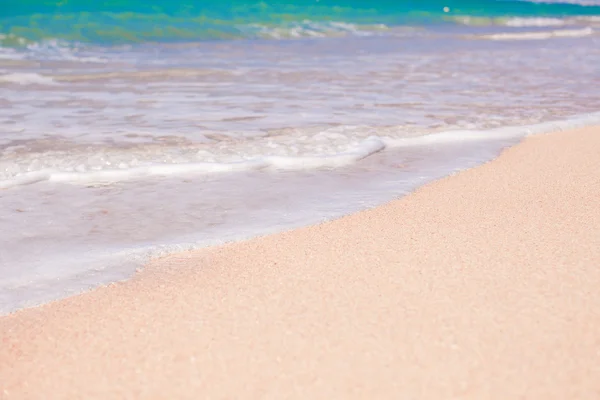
pixel 296 199
pixel 443 293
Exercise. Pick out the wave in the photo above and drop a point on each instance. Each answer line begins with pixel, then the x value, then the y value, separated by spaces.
pixel 527 22
pixel 366 148
pixel 540 35
pixel 308 29
pixel 540 22
pixel 24 22
pixel 58 44
pixel 516 22
pixel 576 2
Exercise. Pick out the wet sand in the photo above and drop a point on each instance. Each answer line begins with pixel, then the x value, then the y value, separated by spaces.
pixel 483 285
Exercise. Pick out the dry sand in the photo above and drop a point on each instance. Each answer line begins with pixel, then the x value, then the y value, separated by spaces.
pixel 484 285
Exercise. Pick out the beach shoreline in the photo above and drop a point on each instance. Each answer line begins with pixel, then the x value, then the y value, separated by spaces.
pixel 478 285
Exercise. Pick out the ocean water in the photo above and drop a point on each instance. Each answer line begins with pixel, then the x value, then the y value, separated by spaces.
pixel 131 129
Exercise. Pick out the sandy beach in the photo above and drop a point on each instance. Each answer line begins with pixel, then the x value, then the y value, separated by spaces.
pixel 483 285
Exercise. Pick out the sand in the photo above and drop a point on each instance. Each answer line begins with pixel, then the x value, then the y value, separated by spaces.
pixel 483 285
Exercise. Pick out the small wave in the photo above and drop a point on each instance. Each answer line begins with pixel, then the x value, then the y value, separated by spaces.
pixel 311 29
pixel 562 33
pixel 366 148
pixel 575 2
pixel 53 49
pixel 526 22
pixel 27 78
pixel 551 22
pixel 540 22
pixel 508 132
pixel 516 22
pixel 49 36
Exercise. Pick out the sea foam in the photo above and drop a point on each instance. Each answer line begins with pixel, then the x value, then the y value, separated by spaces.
pixel 538 35
pixel 366 148
pixel 54 248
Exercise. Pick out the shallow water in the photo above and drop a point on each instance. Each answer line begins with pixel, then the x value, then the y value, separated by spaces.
pixel 112 151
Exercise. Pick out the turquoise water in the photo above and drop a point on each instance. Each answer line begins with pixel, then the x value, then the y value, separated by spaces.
pixel 134 21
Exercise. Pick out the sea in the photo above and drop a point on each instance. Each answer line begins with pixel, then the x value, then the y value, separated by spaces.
pixel 132 129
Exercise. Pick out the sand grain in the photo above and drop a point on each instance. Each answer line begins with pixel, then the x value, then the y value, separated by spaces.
pixel 484 285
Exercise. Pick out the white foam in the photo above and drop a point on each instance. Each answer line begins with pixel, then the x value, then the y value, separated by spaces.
pixel 308 29
pixel 539 22
pixel 368 147
pixel 559 33
pixel 27 78
pixel 498 133
pixel 364 149
pixel 53 49
pixel 515 22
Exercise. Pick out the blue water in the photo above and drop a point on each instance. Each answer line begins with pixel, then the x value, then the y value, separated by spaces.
pixel 131 21
pixel 129 129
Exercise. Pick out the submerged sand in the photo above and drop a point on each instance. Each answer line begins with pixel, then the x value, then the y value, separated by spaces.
pixel 484 285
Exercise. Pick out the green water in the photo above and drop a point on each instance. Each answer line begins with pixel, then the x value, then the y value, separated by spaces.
pixel 131 21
